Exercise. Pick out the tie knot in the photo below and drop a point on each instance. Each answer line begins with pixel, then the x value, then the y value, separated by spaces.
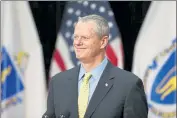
pixel 87 76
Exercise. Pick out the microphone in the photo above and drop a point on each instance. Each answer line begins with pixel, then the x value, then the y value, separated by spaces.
pixel 48 115
pixel 45 116
pixel 65 114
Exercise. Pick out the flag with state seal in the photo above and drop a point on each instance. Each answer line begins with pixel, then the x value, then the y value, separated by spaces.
pixel 64 57
pixel 155 58
pixel 23 90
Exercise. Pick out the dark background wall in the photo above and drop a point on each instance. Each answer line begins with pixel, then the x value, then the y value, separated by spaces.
pixel 128 14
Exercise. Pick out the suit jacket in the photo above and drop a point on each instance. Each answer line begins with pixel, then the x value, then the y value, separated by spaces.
pixel 119 94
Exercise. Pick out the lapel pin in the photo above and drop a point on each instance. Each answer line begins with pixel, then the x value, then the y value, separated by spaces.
pixel 106 84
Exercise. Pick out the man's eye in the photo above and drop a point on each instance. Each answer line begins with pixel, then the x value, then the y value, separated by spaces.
pixel 75 37
pixel 84 37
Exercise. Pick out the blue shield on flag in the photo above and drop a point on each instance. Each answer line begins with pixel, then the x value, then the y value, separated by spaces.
pixel 11 81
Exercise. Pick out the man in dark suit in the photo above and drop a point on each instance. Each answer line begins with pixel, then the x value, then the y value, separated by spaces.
pixel 95 88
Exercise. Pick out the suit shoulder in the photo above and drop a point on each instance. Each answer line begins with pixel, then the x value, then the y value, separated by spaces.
pixel 62 75
pixel 126 80
pixel 126 75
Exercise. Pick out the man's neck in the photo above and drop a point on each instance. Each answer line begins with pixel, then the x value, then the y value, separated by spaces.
pixel 92 64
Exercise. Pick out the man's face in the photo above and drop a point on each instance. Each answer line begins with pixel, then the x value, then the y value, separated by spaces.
pixel 87 44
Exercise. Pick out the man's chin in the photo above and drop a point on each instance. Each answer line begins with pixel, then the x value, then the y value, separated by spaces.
pixel 80 58
pixel 83 60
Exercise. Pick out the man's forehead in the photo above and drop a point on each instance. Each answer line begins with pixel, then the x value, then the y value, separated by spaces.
pixel 86 27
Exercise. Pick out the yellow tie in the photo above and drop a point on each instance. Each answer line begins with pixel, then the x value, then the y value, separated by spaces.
pixel 84 95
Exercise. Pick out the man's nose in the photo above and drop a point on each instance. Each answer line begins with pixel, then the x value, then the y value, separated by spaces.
pixel 78 41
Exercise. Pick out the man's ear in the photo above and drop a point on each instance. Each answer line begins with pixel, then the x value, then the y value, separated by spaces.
pixel 104 42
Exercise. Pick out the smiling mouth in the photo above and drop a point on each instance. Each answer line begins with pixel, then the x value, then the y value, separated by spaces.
pixel 79 48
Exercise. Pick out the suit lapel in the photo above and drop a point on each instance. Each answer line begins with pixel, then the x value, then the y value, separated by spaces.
pixel 73 84
pixel 103 87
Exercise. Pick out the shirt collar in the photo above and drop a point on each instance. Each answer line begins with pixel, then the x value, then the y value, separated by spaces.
pixel 96 72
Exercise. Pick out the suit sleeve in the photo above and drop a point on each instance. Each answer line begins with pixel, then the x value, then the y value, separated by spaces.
pixel 50 101
pixel 136 103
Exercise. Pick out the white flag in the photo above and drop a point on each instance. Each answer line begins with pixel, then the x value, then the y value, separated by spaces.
pixel 154 58
pixel 23 93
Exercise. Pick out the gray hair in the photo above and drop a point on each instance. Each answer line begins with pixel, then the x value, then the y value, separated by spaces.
pixel 102 27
